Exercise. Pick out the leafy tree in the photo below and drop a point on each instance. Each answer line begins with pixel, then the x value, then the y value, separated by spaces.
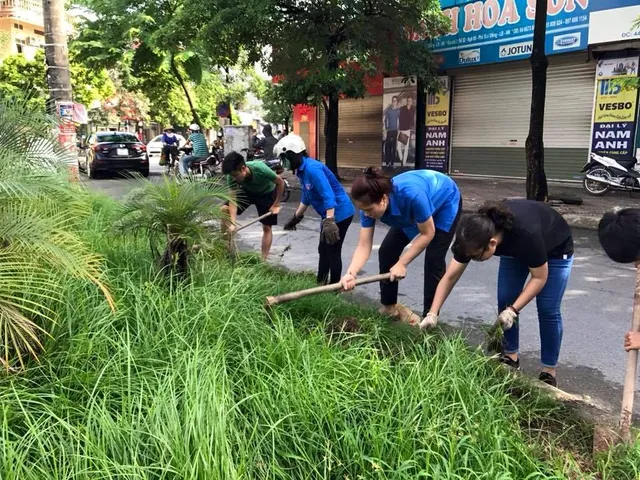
pixel 40 247
pixel 277 107
pixel 22 79
pixel 322 50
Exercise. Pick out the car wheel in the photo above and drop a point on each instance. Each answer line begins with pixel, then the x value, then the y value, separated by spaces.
pixel 144 172
pixel 90 173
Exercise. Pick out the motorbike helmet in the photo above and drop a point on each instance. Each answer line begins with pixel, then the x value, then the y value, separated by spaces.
pixel 290 143
pixel 289 149
pixel 194 127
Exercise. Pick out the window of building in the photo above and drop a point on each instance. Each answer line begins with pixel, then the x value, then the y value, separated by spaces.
pixel 20 27
pixel 15 25
pixel 38 32
pixel 19 47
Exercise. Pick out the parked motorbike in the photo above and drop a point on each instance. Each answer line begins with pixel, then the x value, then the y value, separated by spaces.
pixel 603 174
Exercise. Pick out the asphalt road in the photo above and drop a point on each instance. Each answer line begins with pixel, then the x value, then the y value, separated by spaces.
pixel 597 306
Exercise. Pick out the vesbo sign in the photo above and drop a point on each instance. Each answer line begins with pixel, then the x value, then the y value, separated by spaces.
pixel 502 30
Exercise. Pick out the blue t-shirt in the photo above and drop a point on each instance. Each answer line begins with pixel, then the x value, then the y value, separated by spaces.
pixel 416 196
pixel 322 190
pixel 170 139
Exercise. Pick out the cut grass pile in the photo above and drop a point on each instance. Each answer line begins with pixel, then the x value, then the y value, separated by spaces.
pixel 200 382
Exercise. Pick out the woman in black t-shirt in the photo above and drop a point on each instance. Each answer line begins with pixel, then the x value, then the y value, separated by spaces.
pixel 533 240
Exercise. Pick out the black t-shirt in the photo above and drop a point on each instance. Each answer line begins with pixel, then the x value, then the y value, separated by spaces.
pixel 539 233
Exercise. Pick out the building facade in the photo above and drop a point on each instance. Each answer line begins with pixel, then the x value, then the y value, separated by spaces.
pixel 21 28
pixel 479 125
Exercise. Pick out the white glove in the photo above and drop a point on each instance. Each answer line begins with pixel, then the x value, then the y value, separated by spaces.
pixel 507 318
pixel 430 321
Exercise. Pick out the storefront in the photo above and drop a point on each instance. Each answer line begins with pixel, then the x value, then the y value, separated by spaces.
pixel 486 57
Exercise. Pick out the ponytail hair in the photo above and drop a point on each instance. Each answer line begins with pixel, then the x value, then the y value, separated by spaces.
pixel 476 230
pixel 371 186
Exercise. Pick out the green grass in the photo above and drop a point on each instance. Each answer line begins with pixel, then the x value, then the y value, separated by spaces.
pixel 199 381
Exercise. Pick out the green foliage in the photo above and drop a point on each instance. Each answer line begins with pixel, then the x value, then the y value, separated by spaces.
pixel 25 80
pixel 176 213
pixel 40 249
pixel 276 105
pixel 201 382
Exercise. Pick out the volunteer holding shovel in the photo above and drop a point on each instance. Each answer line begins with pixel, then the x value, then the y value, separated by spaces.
pixel 252 183
pixel 321 190
pixel 533 241
pixel 422 208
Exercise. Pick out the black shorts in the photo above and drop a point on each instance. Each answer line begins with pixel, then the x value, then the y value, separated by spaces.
pixel 262 202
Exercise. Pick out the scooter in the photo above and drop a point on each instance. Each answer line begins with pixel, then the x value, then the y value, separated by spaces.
pixel 204 167
pixel 604 174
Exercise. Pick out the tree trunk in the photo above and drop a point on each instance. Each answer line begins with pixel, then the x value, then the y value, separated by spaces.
pixel 536 179
pixel 331 133
pixel 421 126
pixel 56 53
pixel 176 72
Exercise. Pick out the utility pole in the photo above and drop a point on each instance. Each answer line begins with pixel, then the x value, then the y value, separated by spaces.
pixel 56 52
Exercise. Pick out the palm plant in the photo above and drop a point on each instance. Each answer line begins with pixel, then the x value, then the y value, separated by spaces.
pixel 40 244
pixel 177 213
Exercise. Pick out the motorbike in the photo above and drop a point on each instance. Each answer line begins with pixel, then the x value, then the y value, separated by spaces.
pixel 603 174
pixel 274 164
pixel 204 167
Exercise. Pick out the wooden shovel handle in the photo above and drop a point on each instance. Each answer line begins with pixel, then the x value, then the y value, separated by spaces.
pixel 632 370
pixel 334 287
pixel 255 220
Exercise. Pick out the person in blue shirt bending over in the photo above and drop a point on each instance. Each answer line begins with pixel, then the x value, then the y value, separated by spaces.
pixel 321 190
pixel 422 207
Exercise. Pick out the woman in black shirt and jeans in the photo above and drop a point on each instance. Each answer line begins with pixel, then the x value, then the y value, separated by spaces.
pixel 532 240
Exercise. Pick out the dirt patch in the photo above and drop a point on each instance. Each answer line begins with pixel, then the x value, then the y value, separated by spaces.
pixel 341 326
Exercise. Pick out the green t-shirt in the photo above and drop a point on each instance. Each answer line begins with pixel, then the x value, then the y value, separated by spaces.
pixel 262 181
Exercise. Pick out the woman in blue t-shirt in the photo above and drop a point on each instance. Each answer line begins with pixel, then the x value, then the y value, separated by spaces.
pixel 422 208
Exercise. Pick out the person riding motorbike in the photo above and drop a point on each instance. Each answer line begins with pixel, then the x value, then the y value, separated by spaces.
pixel 200 149
pixel 170 141
pixel 267 143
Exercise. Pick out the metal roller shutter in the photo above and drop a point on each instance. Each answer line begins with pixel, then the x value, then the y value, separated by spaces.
pixel 491 107
pixel 359 133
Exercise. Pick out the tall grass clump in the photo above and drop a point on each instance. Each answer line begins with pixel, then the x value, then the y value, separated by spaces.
pixel 201 382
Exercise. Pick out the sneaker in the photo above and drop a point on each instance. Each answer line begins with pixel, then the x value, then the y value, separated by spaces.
pixel 509 362
pixel 548 379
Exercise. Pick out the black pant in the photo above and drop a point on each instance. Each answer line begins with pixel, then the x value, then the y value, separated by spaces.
pixel 434 262
pixel 390 148
pixel 331 256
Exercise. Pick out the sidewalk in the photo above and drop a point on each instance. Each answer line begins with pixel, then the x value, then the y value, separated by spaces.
pixel 476 191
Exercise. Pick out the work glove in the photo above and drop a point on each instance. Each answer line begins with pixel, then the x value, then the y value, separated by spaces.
pixel 430 321
pixel 330 233
pixel 507 318
pixel 291 224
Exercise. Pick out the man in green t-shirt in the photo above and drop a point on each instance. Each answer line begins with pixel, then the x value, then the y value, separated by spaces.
pixel 253 183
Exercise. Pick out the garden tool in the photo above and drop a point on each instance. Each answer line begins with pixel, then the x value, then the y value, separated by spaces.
pixel 232 236
pixel 334 287
pixel 632 370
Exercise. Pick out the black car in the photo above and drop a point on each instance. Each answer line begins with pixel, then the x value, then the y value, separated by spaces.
pixel 113 152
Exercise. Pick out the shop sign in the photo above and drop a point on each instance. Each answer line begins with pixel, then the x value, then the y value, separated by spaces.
pixel 493 31
pixel 438 131
pixel 614 118
pixel 614 21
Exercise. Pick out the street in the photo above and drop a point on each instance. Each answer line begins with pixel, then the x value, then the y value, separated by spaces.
pixel 597 305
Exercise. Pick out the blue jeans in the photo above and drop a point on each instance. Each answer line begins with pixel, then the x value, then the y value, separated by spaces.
pixel 186 161
pixel 512 276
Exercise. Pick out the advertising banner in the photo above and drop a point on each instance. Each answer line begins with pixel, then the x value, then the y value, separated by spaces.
pixel 493 31
pixel 438 131
pixel 399 122
pixel 615 109
pixel 615 24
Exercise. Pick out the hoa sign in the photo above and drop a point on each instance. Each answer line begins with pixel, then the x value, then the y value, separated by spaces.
pixel 493 26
